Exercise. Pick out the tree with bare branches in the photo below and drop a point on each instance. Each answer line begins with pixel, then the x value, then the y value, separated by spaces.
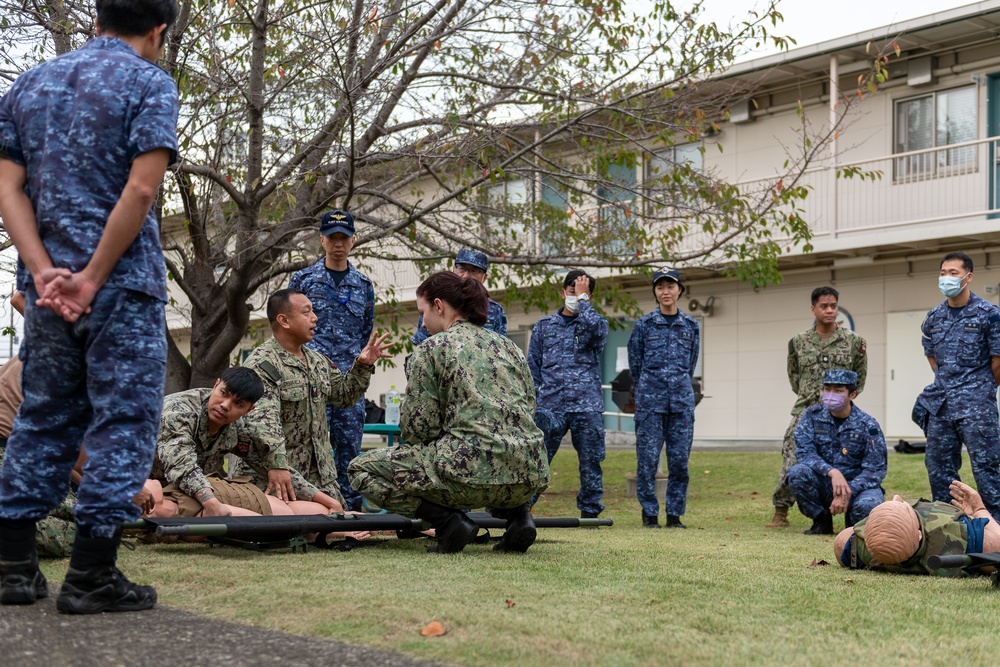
pixel 508 126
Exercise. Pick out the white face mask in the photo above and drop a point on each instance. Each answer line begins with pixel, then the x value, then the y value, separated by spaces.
pixel 572 304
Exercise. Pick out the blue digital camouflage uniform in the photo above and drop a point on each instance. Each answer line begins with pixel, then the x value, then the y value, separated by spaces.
pixel 345 318
pixel 662 357
pixel 856 448
pixel 76 123
pixel 496 320
pixel 565 362
pixel 962 399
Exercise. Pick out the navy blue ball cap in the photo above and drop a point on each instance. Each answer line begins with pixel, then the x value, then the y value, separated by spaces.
pixel 337 221
pixel 841 376
pixel 473 258
pixel 669 274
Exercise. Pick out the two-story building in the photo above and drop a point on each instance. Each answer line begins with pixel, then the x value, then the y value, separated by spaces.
pixel 929 136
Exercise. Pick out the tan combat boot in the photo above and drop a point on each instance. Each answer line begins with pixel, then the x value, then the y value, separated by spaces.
pixel 780 518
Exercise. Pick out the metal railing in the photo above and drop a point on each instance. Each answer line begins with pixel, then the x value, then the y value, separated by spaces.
pixel 913 188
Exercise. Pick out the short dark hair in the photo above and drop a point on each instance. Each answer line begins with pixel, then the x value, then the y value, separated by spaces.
pixel 966 260
pixel 826 290
pixel 131 18
pixel 244 382
pixel 850 387
pixel 278 303
pixel 576 273
pixel 465 295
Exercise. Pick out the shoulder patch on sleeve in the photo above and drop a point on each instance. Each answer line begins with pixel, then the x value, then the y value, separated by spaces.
pixel 994 317
pixel 872 431
pixel 270 371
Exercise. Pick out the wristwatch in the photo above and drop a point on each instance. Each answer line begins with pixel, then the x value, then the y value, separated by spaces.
pixel 584 297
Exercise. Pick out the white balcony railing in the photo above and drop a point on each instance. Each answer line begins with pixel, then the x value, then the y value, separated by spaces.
pixel 926 186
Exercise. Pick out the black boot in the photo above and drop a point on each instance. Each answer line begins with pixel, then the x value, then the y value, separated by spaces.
pixel 650 521
pixel 520 533
pixel 21 582
pixel 674 522
pixel 94 584
pixel 454 528
pixel 822 525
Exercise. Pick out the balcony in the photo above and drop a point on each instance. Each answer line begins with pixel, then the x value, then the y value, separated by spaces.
pixel 915 191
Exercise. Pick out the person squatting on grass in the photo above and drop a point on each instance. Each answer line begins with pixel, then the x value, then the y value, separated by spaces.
pixel 841 457
pixel 79 171
pixel 811 354
pixel 299 383
pixel 662 353
pixel 900 535
pixel 467 424
pixel 564 355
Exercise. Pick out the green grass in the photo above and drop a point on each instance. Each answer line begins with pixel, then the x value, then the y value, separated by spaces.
pixel 726 591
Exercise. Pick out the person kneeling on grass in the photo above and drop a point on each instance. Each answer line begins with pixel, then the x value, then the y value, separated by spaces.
pixel 900 535
pixel 199 427
pixel 841 457
pixel 467 424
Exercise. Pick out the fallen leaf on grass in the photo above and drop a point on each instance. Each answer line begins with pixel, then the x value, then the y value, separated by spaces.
pixel 848 581
pixel 729 518
pixel 433 629
pixel 510 603
pixel 699 557
pixel 708 472
pixel 736 534
pixel 817 562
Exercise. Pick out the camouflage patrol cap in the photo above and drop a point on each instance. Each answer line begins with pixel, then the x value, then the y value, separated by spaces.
pixel 337 221
pixel 841 376
pixel 472 258
pixel 892 532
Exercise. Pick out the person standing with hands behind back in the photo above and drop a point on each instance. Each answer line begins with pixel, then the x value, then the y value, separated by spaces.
pixel 85 140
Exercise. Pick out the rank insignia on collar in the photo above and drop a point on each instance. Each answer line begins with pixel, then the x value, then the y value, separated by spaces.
pixel 313 391
pixel 843 450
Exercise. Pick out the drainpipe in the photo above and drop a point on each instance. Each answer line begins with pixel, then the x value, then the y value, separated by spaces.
pixel 834 99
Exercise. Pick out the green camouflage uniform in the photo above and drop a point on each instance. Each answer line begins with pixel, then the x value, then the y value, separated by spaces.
pixel 292 411
pixel 186 454
pixel 943 535
pixel 55 533
pixel 468 428
pixel 809 358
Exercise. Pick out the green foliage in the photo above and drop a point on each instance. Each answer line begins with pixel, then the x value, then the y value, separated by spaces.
pixel 502 125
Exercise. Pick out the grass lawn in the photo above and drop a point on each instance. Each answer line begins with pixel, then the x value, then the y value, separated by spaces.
pixel 726 591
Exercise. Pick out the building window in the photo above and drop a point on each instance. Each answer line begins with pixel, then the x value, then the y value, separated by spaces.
pixel 505 198
pixel 659 167
pixel 934 121
pixel 615 199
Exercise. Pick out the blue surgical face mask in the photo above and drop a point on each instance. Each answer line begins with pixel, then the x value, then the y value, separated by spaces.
pixel 951 285
pixel 833 401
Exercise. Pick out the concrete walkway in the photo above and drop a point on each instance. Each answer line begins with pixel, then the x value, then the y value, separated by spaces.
pixel 39 636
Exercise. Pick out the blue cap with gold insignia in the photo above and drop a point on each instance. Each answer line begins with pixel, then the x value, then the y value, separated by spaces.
pixel 472 258
pixel 670 274
pixel 337 221
pixel 841 376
